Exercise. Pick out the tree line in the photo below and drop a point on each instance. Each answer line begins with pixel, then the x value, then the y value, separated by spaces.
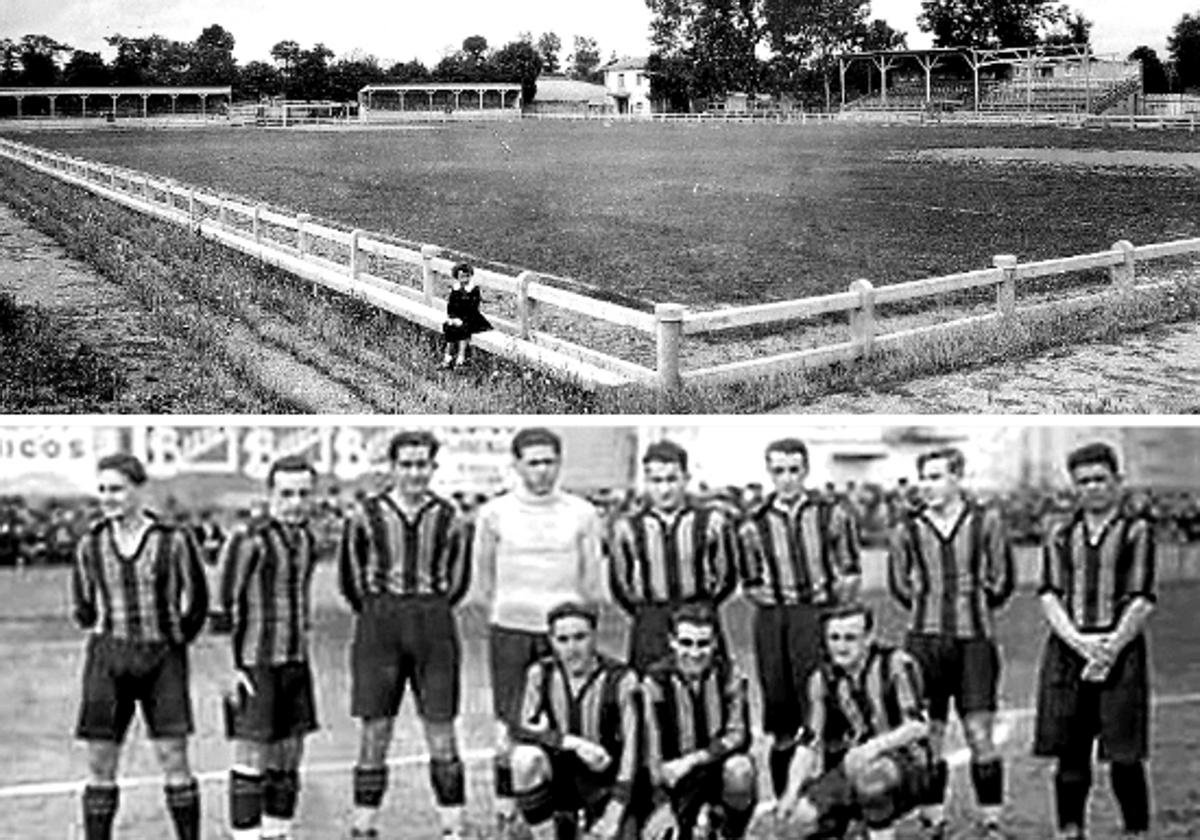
pixel 704 49
pixel 294 72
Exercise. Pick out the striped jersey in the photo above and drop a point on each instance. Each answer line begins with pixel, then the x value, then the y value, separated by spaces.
pixel 265 576
pixel 682 716
pixel 845 710
pixel 671 558
pixel 1095 576
pixel 603 710
pixel 156 594
pixel 798 554
pixel 384 549
pixel 950 583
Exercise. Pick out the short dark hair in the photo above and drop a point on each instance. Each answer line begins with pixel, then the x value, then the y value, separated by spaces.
pixel 666 452
pixel 952 455
pixel 1094 453
pixel 574 609
pixel 127 465
pixel 702 615
pixel 418 437
pixel 462 269
pixel 535 436
pixel 289 463
pixel 787 446
pixel 849 610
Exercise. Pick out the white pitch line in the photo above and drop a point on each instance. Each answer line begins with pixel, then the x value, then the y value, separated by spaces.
pixel 1004 719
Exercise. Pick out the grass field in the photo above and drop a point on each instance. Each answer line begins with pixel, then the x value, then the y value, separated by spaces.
pixel 41 654
pixel 695 214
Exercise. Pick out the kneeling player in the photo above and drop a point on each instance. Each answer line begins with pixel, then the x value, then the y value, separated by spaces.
pixel 577 738
pixel 697 734
pixel 865 752
pixel 265 570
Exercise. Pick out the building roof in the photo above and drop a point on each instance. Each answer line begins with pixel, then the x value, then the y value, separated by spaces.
pixel 562 89
pixel 627 63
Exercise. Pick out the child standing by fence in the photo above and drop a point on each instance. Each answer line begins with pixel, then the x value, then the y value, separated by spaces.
pixel 463 318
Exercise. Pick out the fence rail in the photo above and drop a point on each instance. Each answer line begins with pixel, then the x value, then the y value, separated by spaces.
pixel 358 263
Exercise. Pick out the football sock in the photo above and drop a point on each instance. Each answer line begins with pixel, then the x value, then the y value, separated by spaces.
pixel 183 801
pixel 780 761
pixel 939 777
pixel 504 780
pixel 537 803
pixel 281 790
pixel 733 822
pixel 987 777
pixel 447 778
pixel 369 785
pixel 1129 788
pixel 245 799
pixel 1072 781
pixel 99 809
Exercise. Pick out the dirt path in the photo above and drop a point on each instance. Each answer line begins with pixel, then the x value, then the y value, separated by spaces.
pixel 1157 372
pixel 38 270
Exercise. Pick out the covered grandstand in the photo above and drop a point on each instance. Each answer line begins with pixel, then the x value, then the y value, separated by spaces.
pixel 138 101
pixel 379 103
pixel 1055 79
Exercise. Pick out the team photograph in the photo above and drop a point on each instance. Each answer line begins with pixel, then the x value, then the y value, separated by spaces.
pixel 695 630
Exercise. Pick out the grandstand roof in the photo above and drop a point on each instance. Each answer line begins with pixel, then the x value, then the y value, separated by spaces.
pixel 627 63
pixel 562 89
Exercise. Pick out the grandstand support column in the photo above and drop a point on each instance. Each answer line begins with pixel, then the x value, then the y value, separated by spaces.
pixel 145 105
pixel 1124 273
pixel 114 110
pixel 669 318
pixel 83 104
pixel 428 252
pixel 1006 290
pixel 481 99
pixel 884 63
pixel 842 79
pixel 1087 79
pixel 430 93
pixel 457 93
pixel 174 101
pixel 974 60
pixel 52 98
pixel 928 64
pixel 19 100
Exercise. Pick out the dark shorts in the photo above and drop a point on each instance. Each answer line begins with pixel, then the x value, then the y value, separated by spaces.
pixel 703 786
pixel 650 635
pixel 281 707
pixel 119 675
pixel 787 645
pixel 965 670
pixel 1072 714
pixel 511 653
pixel 838 803
pixel 399 639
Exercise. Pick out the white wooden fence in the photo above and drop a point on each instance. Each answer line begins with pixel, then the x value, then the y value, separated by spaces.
pixel 368 267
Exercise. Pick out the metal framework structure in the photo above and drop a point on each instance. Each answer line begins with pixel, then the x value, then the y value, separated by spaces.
pixel 976 59
pixel 114 93
pixel 431 89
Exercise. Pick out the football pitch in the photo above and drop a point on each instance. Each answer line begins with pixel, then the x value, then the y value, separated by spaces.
pixel 703 214
pixel 43 765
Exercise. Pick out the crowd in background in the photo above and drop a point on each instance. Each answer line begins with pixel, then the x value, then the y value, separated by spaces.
pixel 46 531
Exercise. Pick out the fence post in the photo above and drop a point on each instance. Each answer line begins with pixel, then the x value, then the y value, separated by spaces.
pixel 1006 292
pixel 258 223
pixel 222 215
pixel 524 304
pixel 301 237
pixel 192 210
pixel 862 319
pixel 1123 274
pixel 355 254
pixel 669 333
pixel 428 252
pixel 146 188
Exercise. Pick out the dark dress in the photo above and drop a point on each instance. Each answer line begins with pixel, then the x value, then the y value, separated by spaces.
pixel 464 305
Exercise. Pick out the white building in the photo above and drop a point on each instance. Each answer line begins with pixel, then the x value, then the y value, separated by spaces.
pixel 628 86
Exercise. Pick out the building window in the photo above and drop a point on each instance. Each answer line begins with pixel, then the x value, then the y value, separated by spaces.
pixel 620 78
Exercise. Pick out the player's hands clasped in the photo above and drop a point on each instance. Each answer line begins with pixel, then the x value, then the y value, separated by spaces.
pixel 675 770
pixel 241 682
pixel 593 756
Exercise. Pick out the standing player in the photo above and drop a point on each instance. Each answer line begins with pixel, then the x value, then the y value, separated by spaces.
pixel 1097 593
pixel 697 722
pixel 404 564
pixel 950 565
pixel 265 571
pixel 667 554
pixel 800 555
pixel 139 588
pixel 534 548
pixel 865 753
pixel 577 735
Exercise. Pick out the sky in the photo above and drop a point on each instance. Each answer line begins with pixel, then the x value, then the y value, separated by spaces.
pixel 402 29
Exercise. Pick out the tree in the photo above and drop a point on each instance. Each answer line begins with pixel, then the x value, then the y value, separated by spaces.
pixel 1184 46
pixel 548 47
pixel 520 62
pixel 8 61
pixel 351 73
pixel 1070 28
pixel 312 73
pixel 475 47
pixel 86 69
pixel 212 58
pixel 987 24
pixel 153 60
pixel 809 34
pixel 258 79
pixel 1154 75
pixel 412 71
pixel 719 36
pixel 286 53
pixel 39 56
pixel 585 60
